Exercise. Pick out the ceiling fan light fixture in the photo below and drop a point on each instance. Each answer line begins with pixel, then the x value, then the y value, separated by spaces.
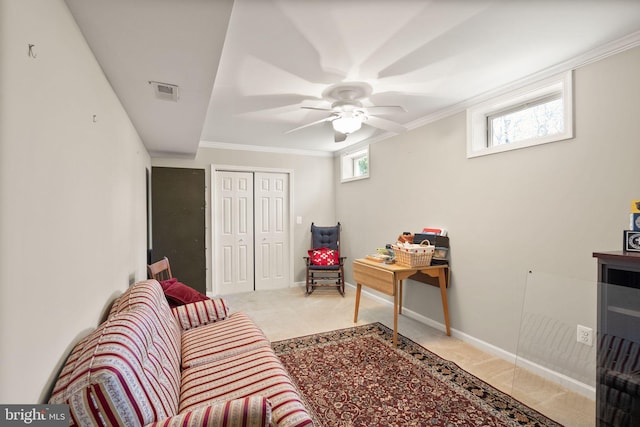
pixel 347 123
pixel 347 113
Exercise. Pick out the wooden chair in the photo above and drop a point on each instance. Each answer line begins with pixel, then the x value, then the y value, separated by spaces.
pixel 160 270
pixel 325 275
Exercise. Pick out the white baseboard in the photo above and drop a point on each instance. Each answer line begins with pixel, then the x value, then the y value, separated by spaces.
pixel 542 371
pixel 298 285
pixel 551 375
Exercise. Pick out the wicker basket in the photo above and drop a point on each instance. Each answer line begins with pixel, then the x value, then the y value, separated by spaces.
pixel 414 257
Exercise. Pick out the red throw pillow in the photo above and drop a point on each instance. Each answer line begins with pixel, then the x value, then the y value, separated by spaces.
pixel 178 293
pixel 324 256
pixel 166 283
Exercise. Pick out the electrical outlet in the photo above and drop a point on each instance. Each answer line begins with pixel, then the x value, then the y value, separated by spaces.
pixel 585 335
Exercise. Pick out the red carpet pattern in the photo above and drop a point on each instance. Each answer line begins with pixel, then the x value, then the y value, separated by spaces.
pixel 354 377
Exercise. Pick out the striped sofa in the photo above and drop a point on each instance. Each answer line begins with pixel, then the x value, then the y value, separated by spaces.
pixel 193 365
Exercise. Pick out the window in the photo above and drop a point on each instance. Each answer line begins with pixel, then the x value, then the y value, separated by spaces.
pixel 532 120
pixel 537 114
pixel 355 165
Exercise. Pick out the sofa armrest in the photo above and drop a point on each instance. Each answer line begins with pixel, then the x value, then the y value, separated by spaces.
pixel 250 411
pixel 200 313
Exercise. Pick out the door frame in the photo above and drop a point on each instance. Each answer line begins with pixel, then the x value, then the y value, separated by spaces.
pixel 214 209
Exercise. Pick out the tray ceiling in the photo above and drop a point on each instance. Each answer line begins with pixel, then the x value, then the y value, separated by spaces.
pixel 245 68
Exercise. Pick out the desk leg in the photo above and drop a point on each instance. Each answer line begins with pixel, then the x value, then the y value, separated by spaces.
pixel 442 280
pixel 395 318
pixel 400 296
pixel 358 290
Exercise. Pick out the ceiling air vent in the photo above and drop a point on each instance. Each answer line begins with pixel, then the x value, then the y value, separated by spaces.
pixel 165 91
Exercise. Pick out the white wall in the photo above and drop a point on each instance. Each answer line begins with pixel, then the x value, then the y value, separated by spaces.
pixel 72 195
pixel 543 209
pixel 312 190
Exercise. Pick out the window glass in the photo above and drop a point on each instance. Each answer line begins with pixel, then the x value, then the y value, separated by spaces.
pixel 528 121
pixel 355 165
pixel 536 114
pixel 361 165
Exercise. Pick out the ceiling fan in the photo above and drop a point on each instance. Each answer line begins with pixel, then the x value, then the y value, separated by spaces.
pixel 348 114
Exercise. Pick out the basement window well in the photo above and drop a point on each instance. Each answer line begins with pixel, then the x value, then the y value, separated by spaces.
pixel 536 114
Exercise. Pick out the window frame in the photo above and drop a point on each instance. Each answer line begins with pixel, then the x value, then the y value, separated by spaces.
pixel 348 164
pixel 478 132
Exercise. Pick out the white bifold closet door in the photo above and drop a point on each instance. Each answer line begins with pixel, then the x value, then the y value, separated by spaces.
pixel 251 231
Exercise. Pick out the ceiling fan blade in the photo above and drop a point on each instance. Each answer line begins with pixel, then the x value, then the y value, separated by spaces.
pixel 317 108
pixel 339 136
pixel 385 109
pixel 385 124
pixel 326 119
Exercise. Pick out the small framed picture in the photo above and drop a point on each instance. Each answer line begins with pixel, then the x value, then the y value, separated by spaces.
pixel 631 241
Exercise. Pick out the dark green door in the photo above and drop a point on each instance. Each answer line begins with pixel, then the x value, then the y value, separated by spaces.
pixel 178 222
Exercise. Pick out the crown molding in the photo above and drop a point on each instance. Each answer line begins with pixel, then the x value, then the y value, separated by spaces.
pixel 264 149
pixel 158 154
pixel 609 49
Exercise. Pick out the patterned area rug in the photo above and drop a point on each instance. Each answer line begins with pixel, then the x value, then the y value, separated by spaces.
pixel 354 377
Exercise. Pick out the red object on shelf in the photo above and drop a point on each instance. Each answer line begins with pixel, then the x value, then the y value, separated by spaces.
pixel 432 230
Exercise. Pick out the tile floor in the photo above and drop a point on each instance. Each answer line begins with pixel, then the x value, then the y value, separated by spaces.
pixel 288 313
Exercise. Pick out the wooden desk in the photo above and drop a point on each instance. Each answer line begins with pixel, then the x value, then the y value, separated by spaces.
pixel 387 278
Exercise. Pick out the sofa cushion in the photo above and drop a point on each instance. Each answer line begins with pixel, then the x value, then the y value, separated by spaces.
pixel 148 293
pixel 254 372
pixel 253 411
pixel 200 313
pixel 125 373
pixel 59 394
pixel 237 334
pixel 148 297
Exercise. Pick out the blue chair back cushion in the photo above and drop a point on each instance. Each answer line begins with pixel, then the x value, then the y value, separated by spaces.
pixel 325 237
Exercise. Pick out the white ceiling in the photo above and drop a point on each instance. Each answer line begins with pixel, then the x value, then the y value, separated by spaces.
pixel 245 67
